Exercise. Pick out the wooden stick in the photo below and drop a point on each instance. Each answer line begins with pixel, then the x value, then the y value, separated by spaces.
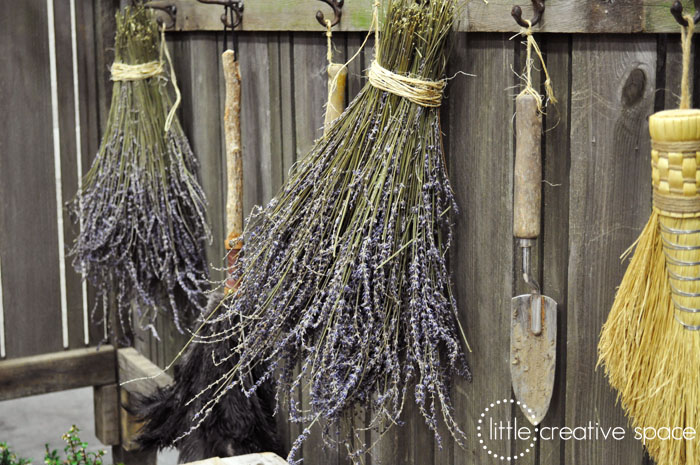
pixel 528 168
pixel 336 93
pixel 234 158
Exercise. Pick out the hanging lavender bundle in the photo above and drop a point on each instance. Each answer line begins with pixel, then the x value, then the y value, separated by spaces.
pixel 343 273
pixel 141 209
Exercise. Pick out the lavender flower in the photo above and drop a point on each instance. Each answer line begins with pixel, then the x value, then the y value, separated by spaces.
pixel 141 208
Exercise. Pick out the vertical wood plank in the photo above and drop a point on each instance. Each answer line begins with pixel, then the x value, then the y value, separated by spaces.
pixel 356 69
pixel 88 75
pixel 255 119
pixel 69 173
pixel 203 126
pixel 481 159
pixel 613 93
pixel 310 88
pixel 310 93
pixel 554 251
pixel 105 29
pixel 672 68
pixel 289 431
pixel 286 109
pixel 28 234
pixel 275 77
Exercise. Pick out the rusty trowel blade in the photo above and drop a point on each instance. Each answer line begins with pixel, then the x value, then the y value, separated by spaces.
pixel 533 357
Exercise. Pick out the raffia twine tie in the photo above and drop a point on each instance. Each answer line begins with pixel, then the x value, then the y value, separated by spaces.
pixel 423 93
pixel 686 45
pixel 123 72
pixel 529 63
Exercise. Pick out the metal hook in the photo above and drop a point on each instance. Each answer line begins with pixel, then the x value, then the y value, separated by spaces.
pixel 236 6
pixel 170 10
pixel 677 12
pixel 337 6
pixel 517 14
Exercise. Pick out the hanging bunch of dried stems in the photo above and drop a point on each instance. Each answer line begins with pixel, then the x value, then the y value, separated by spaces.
pixel 141 209
pixel 343 284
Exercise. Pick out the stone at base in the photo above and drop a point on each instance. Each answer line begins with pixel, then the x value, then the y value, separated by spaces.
pixel 265 458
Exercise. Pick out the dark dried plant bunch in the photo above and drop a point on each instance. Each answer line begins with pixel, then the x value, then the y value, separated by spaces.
pixel 344 290
pixel 141 209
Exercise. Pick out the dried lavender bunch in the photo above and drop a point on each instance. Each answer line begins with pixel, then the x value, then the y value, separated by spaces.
pixel 343 273
pixel 141 209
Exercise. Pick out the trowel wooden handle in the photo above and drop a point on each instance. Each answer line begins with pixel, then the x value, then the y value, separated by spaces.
pixel 336 92
pixel 528 168
pixel 234 158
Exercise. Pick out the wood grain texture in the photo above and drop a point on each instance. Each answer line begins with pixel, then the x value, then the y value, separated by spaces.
pixel 309 89
pixel 286 108
pixel 255 120
pixel 106 411
pixel 287 155
pixel 275 78
pixel 232 132
pixel 203 123
pixel 528 168
pixel 105 28
pixel 672 71
pixel 88 74
pixel 554 256
pixel 60 371
pixel 481 167
pixel 133 367
pixel 69 173
pixel 581 16
pixel 612 95
pixel 28 231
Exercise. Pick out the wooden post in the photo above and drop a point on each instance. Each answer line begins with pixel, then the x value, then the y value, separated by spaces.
pixel 58 371
pixel 114 425
pixel 106 402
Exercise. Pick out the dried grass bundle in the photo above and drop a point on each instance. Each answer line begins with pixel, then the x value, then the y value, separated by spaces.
pixel 141 209
pixel 650 346
pixel 344 272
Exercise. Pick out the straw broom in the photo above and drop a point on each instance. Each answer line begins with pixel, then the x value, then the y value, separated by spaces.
pixel 166 413
pixel 650 345
pixel 344 271
pixel 238 424
pixel 141 207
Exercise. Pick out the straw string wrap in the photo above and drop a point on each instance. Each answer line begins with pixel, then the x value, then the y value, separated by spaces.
pixel 424 93
pixel 123 72
pixel 329 37
pixel 531 45
pixel 675 176
pixel 687 45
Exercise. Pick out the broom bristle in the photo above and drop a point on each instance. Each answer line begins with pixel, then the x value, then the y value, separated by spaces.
pixel 647 355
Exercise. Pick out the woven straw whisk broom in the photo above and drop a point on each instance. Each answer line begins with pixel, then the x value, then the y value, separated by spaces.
pixel 650 344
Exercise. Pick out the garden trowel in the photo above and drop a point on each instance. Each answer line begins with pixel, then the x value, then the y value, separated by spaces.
pixel 533 324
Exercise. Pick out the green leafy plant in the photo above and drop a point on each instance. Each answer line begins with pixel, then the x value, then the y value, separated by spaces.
pixel 7 457
pixel 76 452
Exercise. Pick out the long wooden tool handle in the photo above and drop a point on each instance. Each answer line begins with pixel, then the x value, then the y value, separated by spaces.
pixel 234 158
pixel 527 194
pixel 336 94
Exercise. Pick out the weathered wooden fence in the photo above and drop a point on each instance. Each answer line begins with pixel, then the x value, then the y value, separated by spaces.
pixel 596 191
